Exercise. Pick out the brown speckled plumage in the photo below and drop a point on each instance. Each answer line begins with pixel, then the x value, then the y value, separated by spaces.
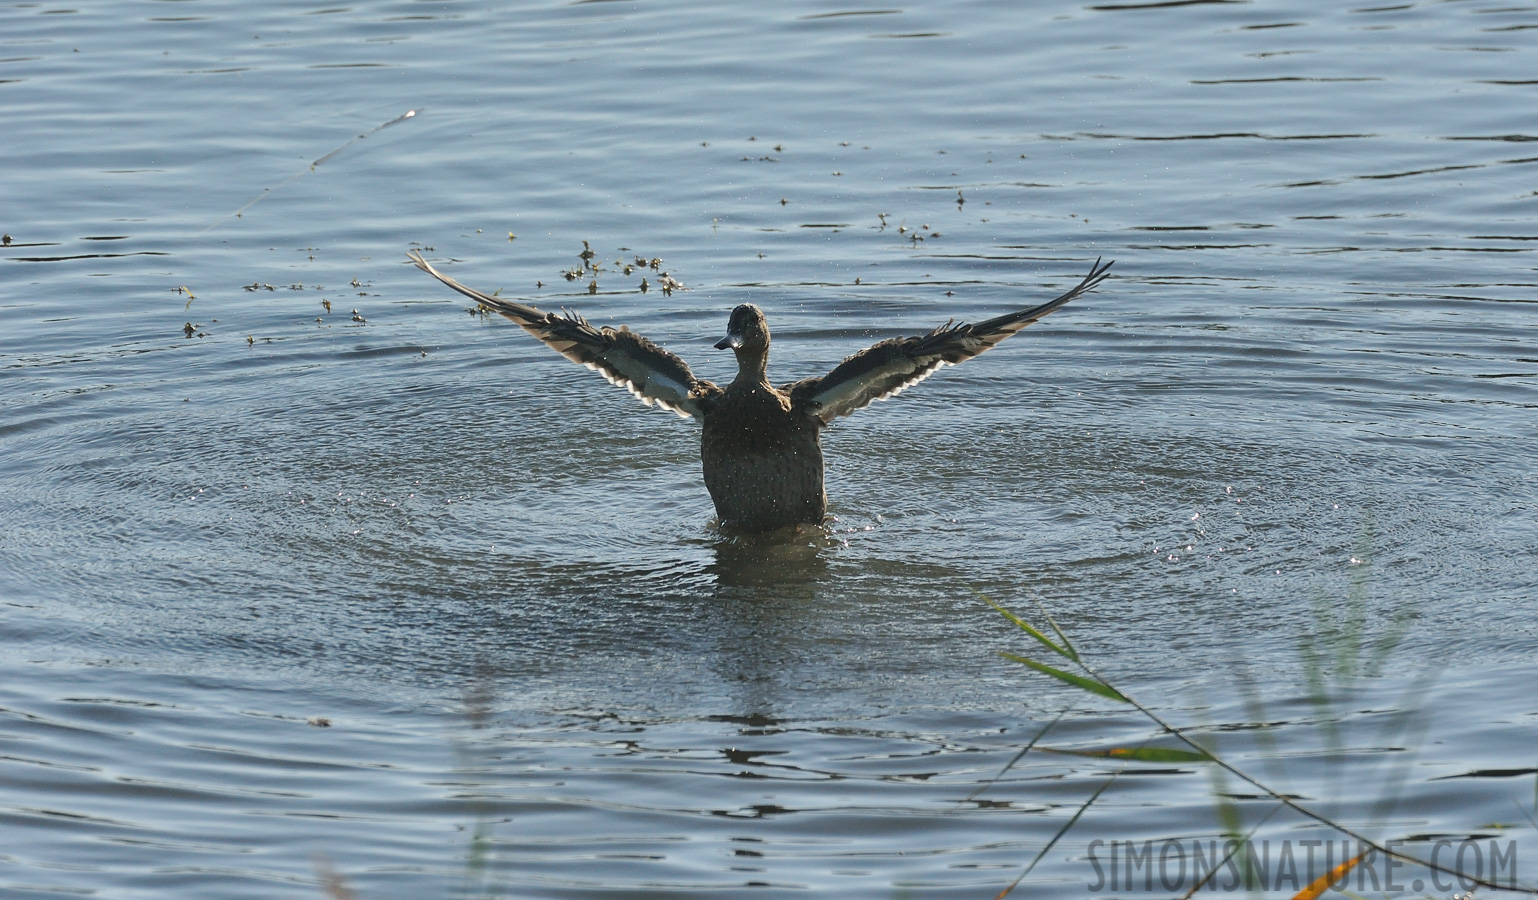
pixel 760 444
pixel 762 460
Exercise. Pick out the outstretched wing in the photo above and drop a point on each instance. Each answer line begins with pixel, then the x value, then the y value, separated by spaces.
pixel 620 355
pixel 890 367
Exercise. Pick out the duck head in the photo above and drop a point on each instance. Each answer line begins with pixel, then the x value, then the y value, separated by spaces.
pixel 746 332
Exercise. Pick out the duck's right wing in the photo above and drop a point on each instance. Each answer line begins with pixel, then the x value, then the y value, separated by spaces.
pixel 894 365
pixel 620 355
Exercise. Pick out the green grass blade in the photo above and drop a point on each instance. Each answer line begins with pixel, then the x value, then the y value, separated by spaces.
pixel 1143 754
pixel 1029 629
pixel 1078 681
pixel 1073 654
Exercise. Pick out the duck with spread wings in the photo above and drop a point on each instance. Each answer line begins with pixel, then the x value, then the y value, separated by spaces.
pixel 760 444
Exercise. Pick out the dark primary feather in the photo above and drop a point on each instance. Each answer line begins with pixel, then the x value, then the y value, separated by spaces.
pixel 621 356
pixel 892 366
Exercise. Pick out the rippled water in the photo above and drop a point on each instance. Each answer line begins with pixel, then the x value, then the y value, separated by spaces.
pixel 1297 419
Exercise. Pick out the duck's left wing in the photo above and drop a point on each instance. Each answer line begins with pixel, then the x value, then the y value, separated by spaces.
pixel 892 366
pixel 620 355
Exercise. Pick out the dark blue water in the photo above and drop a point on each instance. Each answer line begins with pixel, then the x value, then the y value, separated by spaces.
pixel 257 470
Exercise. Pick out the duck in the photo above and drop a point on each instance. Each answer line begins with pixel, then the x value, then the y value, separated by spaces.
pixel 760 444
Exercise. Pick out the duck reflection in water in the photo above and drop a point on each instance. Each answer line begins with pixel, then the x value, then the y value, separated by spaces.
pixel 760 444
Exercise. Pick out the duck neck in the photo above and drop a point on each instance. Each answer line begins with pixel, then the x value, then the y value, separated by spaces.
pixel 752 366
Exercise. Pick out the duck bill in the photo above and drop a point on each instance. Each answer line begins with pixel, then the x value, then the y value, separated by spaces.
pixel 730 342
